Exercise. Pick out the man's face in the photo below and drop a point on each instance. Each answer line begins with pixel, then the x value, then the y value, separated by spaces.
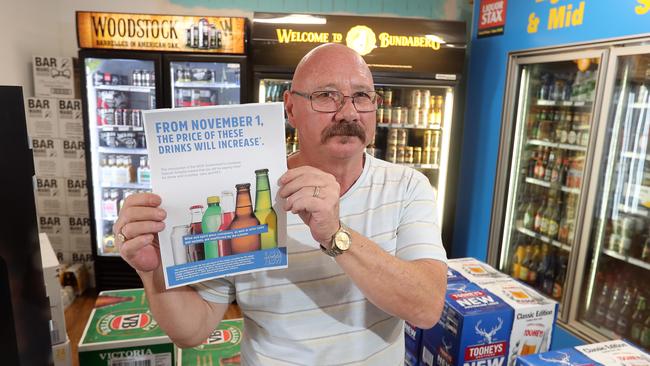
pixel 339 134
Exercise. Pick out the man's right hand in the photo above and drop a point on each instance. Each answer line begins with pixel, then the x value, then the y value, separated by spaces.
pixel 139 222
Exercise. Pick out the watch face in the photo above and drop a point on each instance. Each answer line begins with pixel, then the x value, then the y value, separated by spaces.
pixel 342 241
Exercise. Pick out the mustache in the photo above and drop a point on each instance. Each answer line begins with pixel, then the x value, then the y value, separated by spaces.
pixel 343 129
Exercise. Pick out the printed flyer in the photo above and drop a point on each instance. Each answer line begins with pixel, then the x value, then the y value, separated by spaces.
pixel 216 170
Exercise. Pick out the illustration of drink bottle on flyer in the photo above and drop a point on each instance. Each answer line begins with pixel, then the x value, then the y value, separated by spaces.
pixel 216 170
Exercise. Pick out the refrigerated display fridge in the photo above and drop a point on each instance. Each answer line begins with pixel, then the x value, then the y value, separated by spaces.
pixel 196 81
pixel 137 75
pixel 570 213
pixel 419 80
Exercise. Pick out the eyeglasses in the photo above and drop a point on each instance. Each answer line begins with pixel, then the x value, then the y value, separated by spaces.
pixel 330 101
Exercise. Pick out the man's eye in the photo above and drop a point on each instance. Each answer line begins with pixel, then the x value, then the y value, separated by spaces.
pixel 323 95
pixel 362 95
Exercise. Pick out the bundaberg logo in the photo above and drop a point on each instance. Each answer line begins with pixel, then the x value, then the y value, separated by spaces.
pixel 361 39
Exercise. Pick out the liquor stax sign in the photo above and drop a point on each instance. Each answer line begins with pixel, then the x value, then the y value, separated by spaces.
pixel 168 33
pixel 492 17
pixel 387 44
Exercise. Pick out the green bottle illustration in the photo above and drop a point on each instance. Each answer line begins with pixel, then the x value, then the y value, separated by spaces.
pixel 209 224
pixel 264 210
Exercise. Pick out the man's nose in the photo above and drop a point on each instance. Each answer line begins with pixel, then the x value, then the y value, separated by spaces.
pixel 348 111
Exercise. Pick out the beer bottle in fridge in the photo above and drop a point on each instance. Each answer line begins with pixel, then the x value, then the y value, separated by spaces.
pixel 517 260
pixel 637 319
pixel 549 273
pixel 645 333
pixel 623 322
pixel 533 265
pixel 264 210
pixel 523 269
pixel 244 218
pixel 612 311
pixel 539 215
pixel 601 304
pixel 558 282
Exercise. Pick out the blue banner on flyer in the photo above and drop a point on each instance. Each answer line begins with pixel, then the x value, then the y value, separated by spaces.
pixel 224 266
pixel 225 234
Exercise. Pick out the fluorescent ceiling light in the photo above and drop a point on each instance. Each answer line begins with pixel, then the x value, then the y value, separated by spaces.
pixel 294 19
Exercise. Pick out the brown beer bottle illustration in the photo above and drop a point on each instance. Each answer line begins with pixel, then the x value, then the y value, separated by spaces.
pixel 244 218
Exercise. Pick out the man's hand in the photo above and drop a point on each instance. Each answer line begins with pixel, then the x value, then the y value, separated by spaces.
pixel 314 195
pixel 136 231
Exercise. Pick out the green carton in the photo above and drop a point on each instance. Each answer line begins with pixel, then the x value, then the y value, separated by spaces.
pixel 121 331
pixel 220 349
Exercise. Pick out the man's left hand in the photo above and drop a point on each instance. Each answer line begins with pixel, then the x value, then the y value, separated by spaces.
pixel 314 195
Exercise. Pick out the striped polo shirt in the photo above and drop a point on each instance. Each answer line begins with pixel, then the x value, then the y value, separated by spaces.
pixel 311 313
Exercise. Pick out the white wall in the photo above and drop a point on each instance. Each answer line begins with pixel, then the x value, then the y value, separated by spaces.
pixel 47 27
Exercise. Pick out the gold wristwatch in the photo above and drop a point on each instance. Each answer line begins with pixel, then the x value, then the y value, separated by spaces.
pixel 340 242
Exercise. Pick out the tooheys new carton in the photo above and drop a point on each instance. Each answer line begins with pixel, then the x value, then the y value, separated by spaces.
pixel 122 331
pixel 222 348
pixel 454 276
pixel 413 342
pixel 611 353
pixel 534 318
pixel 474 329
pixel 476 271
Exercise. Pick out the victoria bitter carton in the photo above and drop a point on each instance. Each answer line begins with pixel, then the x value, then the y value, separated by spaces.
pixel 474 329
pixel 122 331
pixel 222 348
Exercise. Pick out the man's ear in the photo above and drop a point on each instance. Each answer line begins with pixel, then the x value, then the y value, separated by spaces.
pixel 288 107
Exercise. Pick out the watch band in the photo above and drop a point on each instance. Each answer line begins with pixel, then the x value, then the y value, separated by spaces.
pixel 334 250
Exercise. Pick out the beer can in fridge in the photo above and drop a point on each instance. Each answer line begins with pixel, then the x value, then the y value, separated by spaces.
pixel 424 99
pixel 402 137
pixel 392 137
pixel 426 156
pixel 380 114
pixel 414 116
pixel 417 155
pixel 408 155
pixel 388 97
pixel 435 156
pixel 435 139
pixel 416 98
pixel 401 152
pixel 388 114
pixel 428 139
pixel 397 116
pixel 391 153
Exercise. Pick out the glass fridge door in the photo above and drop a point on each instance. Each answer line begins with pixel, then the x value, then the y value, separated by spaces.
pixel 118 90
pixel 553 121
pixel 413 128
pixel 197 84
pixel 618 258
pixel 272 90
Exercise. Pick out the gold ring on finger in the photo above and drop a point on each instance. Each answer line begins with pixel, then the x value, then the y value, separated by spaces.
pixel 316 191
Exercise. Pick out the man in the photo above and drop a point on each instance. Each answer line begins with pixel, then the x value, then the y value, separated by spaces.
pixel 363 240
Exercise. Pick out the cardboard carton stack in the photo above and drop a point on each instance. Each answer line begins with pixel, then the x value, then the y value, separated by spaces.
pixel 488 319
